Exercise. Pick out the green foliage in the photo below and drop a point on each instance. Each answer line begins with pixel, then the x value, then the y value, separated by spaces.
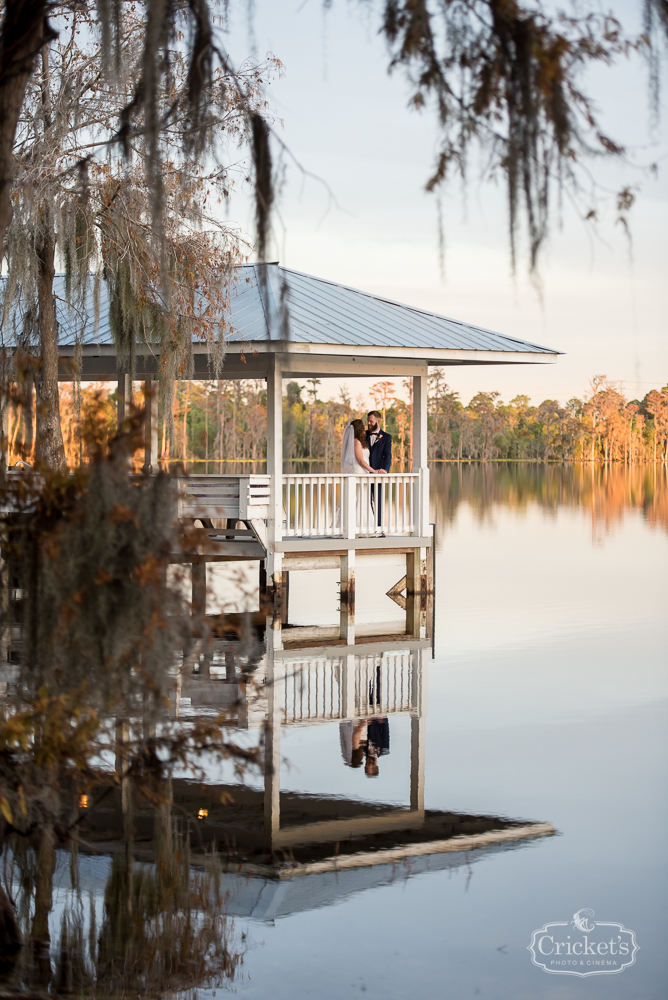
pixel 225 421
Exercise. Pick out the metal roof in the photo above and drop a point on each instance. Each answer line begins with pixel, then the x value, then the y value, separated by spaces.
pixel 311 311
pixel 324 312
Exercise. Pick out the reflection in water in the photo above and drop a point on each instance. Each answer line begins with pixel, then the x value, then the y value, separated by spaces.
pixel 365 738
pixel 139 905
pixel 608 492
pixel 97 923
pixel 152 906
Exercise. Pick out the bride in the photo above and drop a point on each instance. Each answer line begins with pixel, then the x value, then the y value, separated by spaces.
pixel 355 450
pixel 355 461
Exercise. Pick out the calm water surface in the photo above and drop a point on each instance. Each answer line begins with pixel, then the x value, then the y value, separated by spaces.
pixel 547 700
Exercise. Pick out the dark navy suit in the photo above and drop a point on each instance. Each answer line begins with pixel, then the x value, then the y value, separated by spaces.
pixel 380 457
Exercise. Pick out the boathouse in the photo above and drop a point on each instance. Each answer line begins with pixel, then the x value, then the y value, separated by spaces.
pixel 288 325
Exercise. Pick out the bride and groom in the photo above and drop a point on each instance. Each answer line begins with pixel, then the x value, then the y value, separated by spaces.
pixel 366 450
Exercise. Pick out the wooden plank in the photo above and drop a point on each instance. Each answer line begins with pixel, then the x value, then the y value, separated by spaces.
pixel 331 546
pixel 362 647
pixel 295 562
pixel 220 551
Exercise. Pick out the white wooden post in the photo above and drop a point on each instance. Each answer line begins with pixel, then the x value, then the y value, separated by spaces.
pixel 348 687
pixel 349 506
pixel 419 422
pixel 349 526
pixel 421 514
pixel 275 472
pixel 422 519
pixel 417 623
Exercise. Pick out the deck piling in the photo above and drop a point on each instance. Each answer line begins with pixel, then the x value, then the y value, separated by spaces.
pixel 347 603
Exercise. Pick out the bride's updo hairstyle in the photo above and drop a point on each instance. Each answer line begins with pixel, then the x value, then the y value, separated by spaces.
pixel 359 431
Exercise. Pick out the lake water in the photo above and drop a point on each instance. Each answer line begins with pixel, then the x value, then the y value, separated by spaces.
pixel 547 700
pixel 544 700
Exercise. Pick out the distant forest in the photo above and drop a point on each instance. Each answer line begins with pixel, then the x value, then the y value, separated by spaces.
pixel 225 421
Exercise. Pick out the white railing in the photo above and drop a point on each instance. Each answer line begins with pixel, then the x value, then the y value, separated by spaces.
pixel 315 506
pixel 383 684
pixel 321 506
pixel 312 505
pixel 237 497
pixel 314 689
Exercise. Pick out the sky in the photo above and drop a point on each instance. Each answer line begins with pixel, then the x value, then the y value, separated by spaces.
pixel 353 209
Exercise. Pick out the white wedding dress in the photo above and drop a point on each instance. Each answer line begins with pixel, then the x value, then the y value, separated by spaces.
pixel 350 466
pixel 359 469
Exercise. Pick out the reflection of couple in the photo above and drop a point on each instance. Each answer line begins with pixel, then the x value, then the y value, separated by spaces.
pixel 365 738
pixel 366 450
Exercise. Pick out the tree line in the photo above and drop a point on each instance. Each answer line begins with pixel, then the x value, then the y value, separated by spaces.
pixel 224 421
pixel 608 493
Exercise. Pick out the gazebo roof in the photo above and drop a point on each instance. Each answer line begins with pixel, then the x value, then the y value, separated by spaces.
pixel 328 313
pixel 324 314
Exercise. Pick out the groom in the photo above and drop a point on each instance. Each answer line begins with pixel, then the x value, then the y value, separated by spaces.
pixel 380 455
pixel 380 444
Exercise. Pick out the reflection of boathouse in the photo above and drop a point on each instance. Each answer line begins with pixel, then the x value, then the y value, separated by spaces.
pixel 286 851
pixel 283 324
pixel 269 833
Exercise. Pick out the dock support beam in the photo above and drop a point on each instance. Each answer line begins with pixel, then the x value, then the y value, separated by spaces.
pixel 198 604
pixel 282 603
pixel 272 747
pixel 416 584
pixel 262 581
pixel 347 603
pixel 418 714
pixel 417 763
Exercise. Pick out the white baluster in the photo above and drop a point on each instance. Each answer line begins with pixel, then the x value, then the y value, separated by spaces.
pixel 348 506
pixel 302 526
pixel 328 485
pixel 312 494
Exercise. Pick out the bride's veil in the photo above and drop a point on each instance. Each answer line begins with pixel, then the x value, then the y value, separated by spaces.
pixel 348 450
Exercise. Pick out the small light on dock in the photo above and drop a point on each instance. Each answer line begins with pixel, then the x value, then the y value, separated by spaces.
pixel 202 814
pixel 83 802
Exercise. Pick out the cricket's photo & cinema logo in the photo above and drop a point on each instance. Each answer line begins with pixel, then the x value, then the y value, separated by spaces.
pixel 583 947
